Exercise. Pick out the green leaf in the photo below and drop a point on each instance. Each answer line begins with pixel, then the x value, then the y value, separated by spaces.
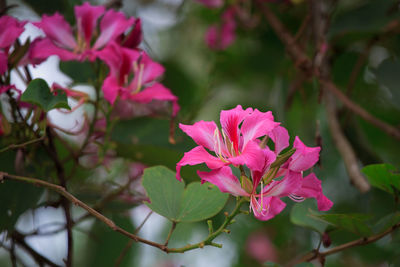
pixel 354 223
pixel 80 72
pixel 38 93
pixel 169 198
pixel 387 222
pixel 303 214
pixel 383 176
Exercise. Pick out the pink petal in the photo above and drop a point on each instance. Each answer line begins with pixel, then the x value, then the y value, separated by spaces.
pixel 252 156
pixel 86 17
pixel 118 59
pixel 196 156
pixel 285 187
pixel 202 132
pixel 212 37
pixel 280 136
pixel 230 120
pixel 42 49
pixel 268 208
pixel 157 92
pixel 257 124
pixel 10 30
pixel 146 72
pixel 57 30
pixel 304 157
pixel 224 179
pixel 110 89
pixel 3 62
pixel 112 25
pixel 268 158
pixel 135 36
pixel 311 187
pixel 212 3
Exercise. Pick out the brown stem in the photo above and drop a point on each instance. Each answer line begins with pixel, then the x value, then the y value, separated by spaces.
pixel 62 191
pixel 359 242
pixel 64 202
pixel 303 62
pixel 39 258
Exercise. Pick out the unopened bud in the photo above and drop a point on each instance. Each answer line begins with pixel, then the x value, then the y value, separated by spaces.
pixel 326 239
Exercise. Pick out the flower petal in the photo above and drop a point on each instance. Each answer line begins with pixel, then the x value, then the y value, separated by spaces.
pixel 196 156
pixel 212 3
pixel 257 124
pixel 42 49
pixel 10 30
pixel 311 187
pixel 230 120
pixel 112 25
pixel 252 156
pixel 202 132
pixel 268 208
pixel 110 89
pixel 285 187
pixel 304 157
pixel 57 30
pixel 157 92
pixel 224 179
pixel 280 136
pixel 268 158
pixel 86 18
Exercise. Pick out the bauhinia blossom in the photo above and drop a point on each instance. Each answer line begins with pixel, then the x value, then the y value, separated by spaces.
pixel 234 144
pixel 10 30
pixel 60 39
pixel 219 37
pixel 133 76
pixel 273 175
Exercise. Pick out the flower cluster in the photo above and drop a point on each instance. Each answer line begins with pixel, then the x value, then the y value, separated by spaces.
pixel 105 36
pixel 273 174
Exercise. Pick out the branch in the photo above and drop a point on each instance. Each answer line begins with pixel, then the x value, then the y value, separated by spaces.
pixel 359 242
pixel 303 62
pixel 13 146
pixel 62 191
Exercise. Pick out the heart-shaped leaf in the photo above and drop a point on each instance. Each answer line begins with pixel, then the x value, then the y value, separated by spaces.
pixel 303 214
pixel 383 176
pixel 169 197
pixel 38 93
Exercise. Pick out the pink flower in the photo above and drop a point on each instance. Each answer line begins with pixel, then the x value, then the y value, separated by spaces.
pixel 133 77
pixel 60 39
pixel 260 247
pixel 212 3
pixel 10 30
pixel 233 145
pixel 219 37
pixel 134 38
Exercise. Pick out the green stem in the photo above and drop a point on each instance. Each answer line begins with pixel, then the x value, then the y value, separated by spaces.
pixel 208 241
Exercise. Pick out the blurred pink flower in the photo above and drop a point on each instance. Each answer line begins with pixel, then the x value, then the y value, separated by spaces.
pixel 133 76
pixel 10 30
pixel 212 3
pixel 260 248
pixel 219 37
pixel 60 39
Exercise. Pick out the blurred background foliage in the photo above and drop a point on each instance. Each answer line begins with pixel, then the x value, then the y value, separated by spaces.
pixel 254 72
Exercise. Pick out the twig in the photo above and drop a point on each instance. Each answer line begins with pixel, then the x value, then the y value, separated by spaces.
pixel 359 242
pixel 130 242
pixel 208 241
pixel 170 233
pixel 40 259
pixel 303 62
pixel 13 146
pixel 344 147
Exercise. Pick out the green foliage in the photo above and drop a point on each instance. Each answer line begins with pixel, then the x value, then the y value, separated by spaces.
pixel 171 199
pixel 80 72
pixel 383 176
pixel 38 93
pixel 354 223
pixel 303 214
pixel 387 74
